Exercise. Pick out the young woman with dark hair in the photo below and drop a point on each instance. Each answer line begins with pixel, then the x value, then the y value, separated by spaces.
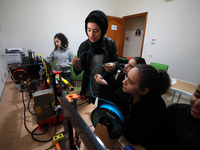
pixel 62 55
pixel 131 63
pixel 141 103
pixel 96 55
pixel 123 74
pixel 181 127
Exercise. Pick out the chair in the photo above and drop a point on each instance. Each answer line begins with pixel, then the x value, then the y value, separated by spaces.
pixel 75 79
pixel 169 105
pixel 159 66
pixel 52 64
pixel 122 62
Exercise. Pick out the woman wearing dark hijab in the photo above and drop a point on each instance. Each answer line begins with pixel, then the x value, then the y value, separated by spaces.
pixel 96 55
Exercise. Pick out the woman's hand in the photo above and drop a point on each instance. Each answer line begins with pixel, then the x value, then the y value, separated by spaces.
pixel 108 67
pixel 76 62
pixel 99 79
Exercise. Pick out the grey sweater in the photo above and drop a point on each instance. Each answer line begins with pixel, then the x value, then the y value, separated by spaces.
pixel 63 59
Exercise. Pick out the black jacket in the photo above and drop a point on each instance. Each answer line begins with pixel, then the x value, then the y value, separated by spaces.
pixel 119 80
pixel 142 119
pixel 106 90
pixel 86 51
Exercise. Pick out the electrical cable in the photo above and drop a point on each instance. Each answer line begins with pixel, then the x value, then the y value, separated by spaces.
pixel 25 117
pixel 91 79
pixel 32 133
pixel 46 129
pixel 98 114
pixel 91 86
pixel 79 65
pixel 29 108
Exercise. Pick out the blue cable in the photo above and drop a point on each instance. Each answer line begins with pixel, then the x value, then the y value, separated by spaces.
pixel 111 107
pixel 91 77
pixel 79 65
pixel 91 85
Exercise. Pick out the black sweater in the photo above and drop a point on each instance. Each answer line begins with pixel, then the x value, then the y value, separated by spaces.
pixel 180 130
pixel 142 119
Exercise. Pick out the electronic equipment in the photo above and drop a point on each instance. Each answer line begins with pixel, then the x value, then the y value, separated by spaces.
pixel 31 56
pixel 13 55
pixel 33 70
pixel 58 138
pixel 47 105
pixel 25 60
pixel 44 102
pixel 47 108
pixel 13 58
pixel 19 74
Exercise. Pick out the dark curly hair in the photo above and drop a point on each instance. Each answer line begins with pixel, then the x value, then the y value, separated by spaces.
pixel 63 39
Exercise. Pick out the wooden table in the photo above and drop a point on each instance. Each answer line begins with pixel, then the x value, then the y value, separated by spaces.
pixel 85 111
pixel 182 87
pixel 13 134
pixel 118 143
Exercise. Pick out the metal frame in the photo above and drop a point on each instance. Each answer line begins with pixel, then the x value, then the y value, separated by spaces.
pixel 180 93
pixel 72 120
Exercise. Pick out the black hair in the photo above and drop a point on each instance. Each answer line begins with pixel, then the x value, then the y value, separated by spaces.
pixel 154 80
pixel 100 19
pixel 137 33
pixel 139 60
pixel 63 39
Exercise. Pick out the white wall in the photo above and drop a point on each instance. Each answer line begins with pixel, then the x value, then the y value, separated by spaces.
pixel 175 27
pixel 3 64
pixel 32 24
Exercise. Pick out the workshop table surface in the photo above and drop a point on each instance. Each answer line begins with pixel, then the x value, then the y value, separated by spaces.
pixel 13 134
